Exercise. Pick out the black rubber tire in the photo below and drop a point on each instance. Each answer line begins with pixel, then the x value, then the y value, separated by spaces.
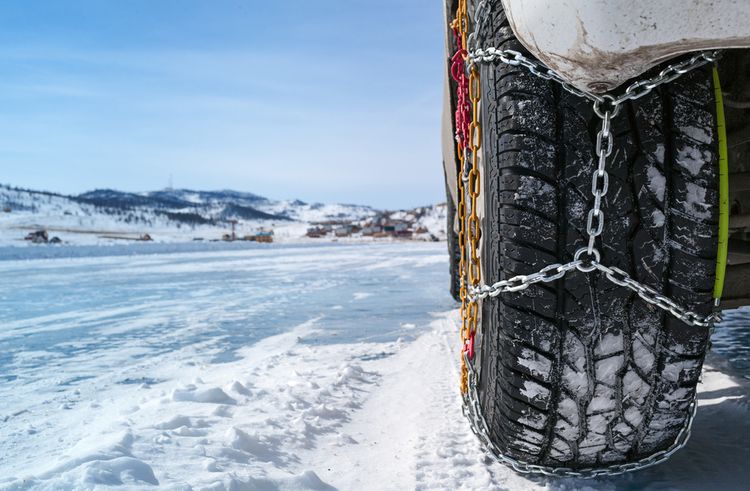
pixel 454 253
pixel 582 372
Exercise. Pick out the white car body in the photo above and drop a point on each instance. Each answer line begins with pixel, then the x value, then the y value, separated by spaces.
pixel 598 44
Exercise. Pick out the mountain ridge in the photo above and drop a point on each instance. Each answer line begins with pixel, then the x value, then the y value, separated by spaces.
pixel 184 214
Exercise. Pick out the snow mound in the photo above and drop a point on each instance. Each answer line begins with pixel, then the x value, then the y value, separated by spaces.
pixel 308 480
pixel 100 460
pixel 213 395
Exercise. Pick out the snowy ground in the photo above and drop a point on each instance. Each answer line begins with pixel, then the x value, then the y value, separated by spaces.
pixel 284 367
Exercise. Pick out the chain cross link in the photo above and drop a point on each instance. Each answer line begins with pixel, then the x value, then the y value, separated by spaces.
pixel 472 409
pixel 605 107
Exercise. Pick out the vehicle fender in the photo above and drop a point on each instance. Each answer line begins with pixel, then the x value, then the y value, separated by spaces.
pixel 597 45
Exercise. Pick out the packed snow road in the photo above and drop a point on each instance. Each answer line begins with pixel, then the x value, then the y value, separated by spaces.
pixel 147 368
pixel 281 367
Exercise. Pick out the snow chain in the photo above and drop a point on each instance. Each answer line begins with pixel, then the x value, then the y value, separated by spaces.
pixel 586 260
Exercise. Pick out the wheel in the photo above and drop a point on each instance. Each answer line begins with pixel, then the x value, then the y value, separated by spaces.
pixel 581 372
pixel 454 253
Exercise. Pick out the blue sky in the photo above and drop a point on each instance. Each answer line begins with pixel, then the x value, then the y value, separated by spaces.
pixel 334 101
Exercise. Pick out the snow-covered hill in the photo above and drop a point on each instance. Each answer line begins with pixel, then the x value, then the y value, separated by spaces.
pixel 178 215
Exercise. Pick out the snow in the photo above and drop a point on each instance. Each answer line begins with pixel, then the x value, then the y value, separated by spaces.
pixel 538 365
pixel 695 201
pixel 692 159
pixel 82 223
pixel 701 134
pixel 213 370
pixel 658 217
pixel 128 216
pixel 656 182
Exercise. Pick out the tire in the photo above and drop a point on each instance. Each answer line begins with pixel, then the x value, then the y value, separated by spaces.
pixel 454 252
pixel 581 372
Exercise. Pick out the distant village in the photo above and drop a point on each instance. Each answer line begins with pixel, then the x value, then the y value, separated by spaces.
pixel 399 225
pixel 381 227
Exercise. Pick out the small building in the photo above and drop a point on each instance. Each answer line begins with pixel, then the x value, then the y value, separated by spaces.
pixel 38 237
pixel 395 227
pixel 316 232
pixel 265 236
pixel 370 230
pixel 343 230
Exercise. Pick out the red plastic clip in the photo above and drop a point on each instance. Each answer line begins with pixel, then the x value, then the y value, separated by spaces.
pixel 469 347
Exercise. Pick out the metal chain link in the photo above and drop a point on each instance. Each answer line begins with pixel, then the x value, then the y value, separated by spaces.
pixel 473 411
pixel 668 74
pixel 607 107
pixel 634 91
pixel 516 58
pixel 479 18
pixel 617 276
pixel 586 259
